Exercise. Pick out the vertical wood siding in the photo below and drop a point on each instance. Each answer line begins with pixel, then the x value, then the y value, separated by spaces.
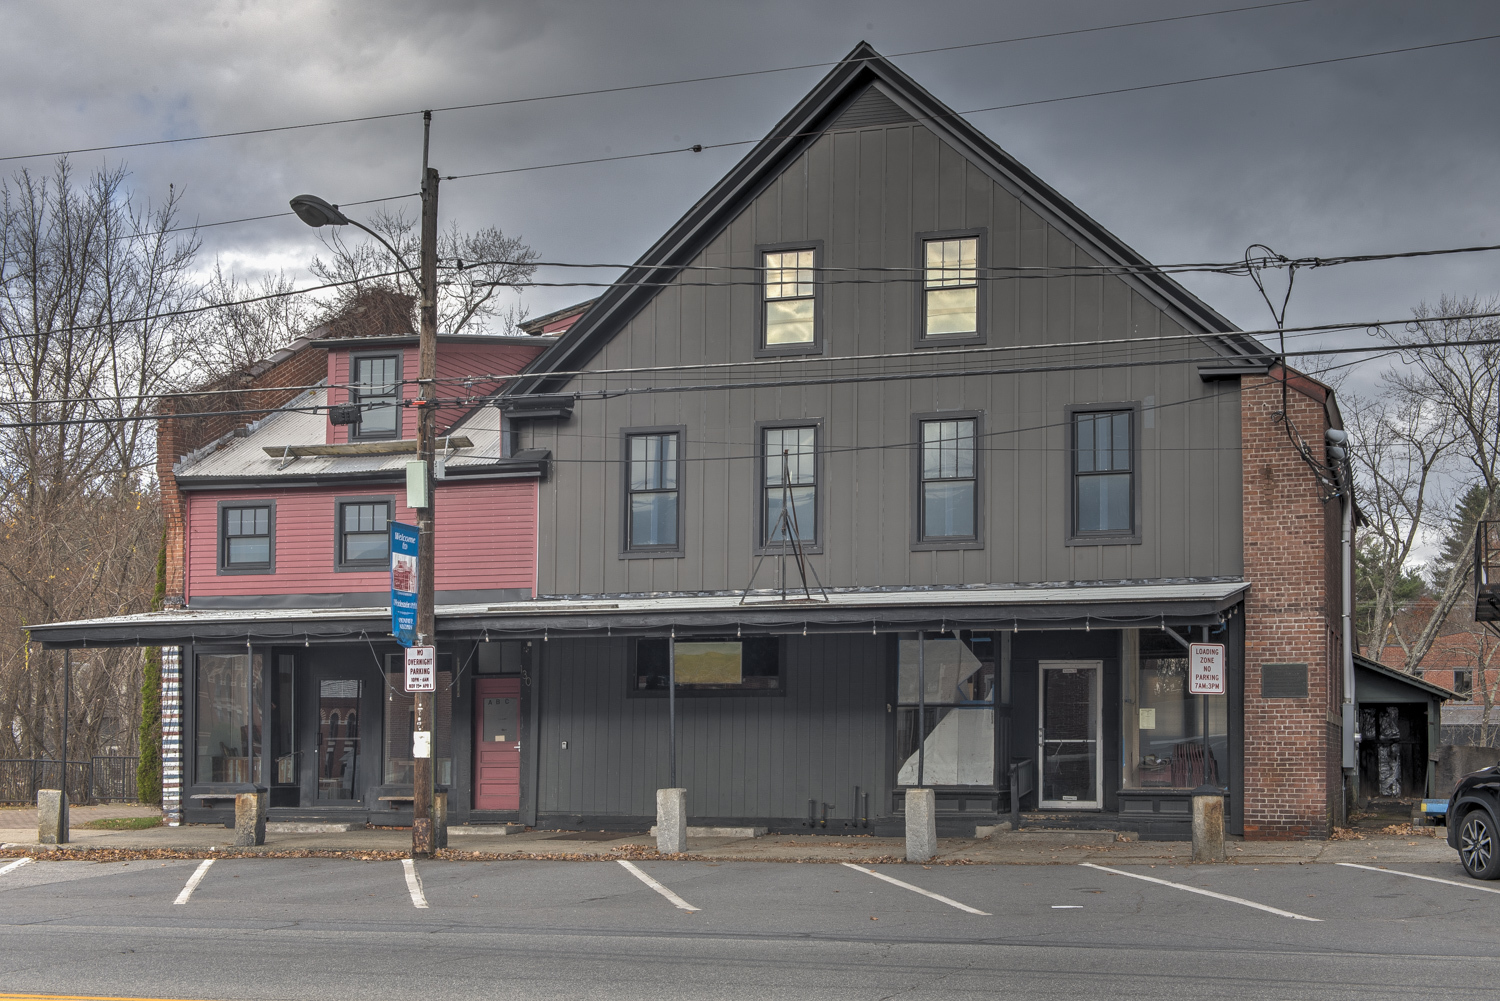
pixel 486 538
pixel 866 194
pixel 737 757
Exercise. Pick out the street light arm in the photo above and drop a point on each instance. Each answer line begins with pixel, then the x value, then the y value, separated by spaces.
pixel 394 252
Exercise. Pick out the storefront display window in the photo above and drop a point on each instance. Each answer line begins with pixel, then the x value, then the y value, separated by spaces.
pixel 947 682
pixel 1163 722
pixel 228 717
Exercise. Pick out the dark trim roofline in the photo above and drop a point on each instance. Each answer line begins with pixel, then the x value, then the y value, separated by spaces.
pixel 1407 679
pixel 525 463
pixel 410 340
pixel 797 131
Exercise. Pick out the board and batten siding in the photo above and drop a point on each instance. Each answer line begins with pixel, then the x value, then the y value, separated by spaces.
pixel 756 757
pixel 865 194
pixel 486 539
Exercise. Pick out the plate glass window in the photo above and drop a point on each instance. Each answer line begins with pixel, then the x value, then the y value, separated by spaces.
pixel 791 303
pixel 364 533
pixel 953 675
pixel 709 664
pixel 228 717
pixel 247 538
pixel 377 391
pixel 949 486
pixel 791 473
pixel 653 491
pixel 1103 477
pixel 1163 722
pixel 951 282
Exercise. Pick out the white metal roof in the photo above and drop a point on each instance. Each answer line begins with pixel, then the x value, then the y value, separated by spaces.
pixel 238 458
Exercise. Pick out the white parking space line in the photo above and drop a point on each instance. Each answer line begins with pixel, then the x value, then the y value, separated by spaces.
pixel 917 889
pixel 1207 893
pixel 16 865
pixel 414 883
pixel 193 881
pixel 677 901
pixel 1397 872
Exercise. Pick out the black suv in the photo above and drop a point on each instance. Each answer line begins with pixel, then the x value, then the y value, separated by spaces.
pixel 1474 822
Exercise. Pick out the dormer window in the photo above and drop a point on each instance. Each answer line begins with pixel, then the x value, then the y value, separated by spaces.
pixel 377 392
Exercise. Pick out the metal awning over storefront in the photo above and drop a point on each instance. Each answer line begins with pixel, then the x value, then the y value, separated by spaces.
pixel 1010 607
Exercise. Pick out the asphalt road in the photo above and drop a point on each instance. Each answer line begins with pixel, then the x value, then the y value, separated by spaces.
pixel 336 929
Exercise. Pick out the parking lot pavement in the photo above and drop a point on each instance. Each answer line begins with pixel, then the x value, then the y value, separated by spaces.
pixel 333 928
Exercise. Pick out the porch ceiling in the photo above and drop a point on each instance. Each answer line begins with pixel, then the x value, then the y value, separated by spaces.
pixel 1045 606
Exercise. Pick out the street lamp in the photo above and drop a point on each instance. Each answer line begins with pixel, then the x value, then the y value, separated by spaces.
pixel 317 213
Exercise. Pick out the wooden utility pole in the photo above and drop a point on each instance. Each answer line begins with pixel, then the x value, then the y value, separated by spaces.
pixel 423 836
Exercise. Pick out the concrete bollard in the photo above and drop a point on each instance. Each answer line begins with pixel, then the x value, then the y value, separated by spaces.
pixel 921 825
pixel 1208 825
pixel 440 820
pixel 249 819
pixel 671 821
pixel 51 817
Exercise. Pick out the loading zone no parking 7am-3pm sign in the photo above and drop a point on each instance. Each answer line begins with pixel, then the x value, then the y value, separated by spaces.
pixel 1206 668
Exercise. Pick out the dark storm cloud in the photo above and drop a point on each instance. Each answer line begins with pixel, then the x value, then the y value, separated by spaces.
pixel 1383 154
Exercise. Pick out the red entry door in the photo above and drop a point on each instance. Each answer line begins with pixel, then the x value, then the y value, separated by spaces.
pixel 497 743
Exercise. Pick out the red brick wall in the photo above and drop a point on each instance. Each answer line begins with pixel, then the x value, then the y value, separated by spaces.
pixel 181 430
pixel 1293 754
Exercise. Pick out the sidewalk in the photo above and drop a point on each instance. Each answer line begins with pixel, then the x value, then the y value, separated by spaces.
pixel 1027 847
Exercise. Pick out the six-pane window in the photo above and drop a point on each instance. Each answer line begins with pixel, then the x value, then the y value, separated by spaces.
pixel 949 494
pixel 791 472
pixel 653 491
pixel 951 280
pixel 377 390
pixel 247 538
pixel 791 305
pixel 365 533
pixel 1103 473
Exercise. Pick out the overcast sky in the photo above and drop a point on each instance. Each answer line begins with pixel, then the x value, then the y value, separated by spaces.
pixel 1383 154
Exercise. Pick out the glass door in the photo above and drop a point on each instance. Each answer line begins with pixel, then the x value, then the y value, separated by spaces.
pixel 1068 737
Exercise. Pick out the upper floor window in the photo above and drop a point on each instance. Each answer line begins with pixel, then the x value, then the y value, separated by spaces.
pixel 247 538
pixel 377 389
pixel 652 484
pixel 1103 473
pixel 949 497
pixel 791 300
pixel 1463 684
pixel 789 465
pixel 950 288
pixel 364 534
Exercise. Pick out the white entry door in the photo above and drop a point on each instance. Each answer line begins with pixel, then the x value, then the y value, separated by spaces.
pixel 1071 770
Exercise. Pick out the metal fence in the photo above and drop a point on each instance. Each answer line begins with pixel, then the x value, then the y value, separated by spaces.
pixel 98 780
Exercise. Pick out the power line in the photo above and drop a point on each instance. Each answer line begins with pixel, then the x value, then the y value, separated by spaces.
pixel 787 383
pixel 632 87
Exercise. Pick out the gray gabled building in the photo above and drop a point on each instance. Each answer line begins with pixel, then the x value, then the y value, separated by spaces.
pixel 1010 455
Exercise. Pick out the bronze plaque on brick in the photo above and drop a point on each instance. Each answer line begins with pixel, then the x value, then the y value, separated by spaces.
pixel 1283 681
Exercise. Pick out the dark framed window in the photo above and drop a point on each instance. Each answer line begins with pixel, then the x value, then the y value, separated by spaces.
pixel 948 486
pixel 710 665
pixel 1104 488
pixel 247 537
pixel 653 491
pixel 790 299
pixel 363 538
pixel 1463 684
pixel 945 709
pixel 950 307
pixel 228 692
pixel 789 475
pixel 377 390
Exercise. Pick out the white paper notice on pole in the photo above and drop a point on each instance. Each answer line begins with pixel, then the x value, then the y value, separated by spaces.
pixel 421 669
pixel 1206 668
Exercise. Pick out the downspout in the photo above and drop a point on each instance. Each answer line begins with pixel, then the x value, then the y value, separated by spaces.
pixel 1337 441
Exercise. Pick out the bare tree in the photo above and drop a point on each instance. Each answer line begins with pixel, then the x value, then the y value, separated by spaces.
pixel 252 321
pixel 478 266
pixel 1451 370
pixel 1399 444
pixel 91 285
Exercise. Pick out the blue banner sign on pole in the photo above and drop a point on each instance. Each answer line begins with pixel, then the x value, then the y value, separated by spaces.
pixel 404 541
